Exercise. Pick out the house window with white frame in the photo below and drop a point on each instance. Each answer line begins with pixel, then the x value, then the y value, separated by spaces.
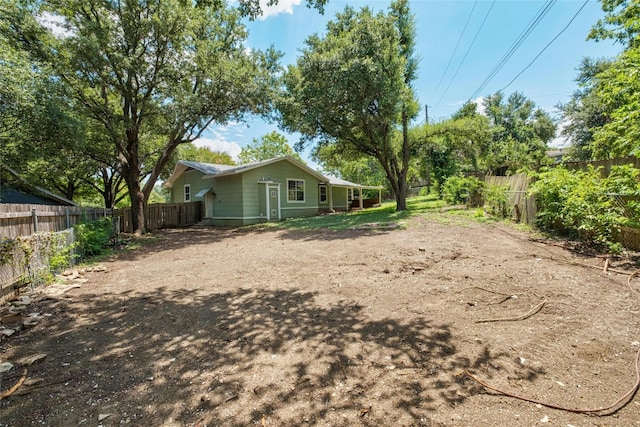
pixel 295 190
pixel 187 193
pixel 323 193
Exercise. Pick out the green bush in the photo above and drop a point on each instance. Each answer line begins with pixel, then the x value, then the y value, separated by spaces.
pixel 585 204
pixel 496 201
pixel 460 189
pixel 92 238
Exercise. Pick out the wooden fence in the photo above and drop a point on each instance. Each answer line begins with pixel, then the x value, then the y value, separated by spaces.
pixel 606 165
pixel 161 215
pixel 24 220
pixel 523 207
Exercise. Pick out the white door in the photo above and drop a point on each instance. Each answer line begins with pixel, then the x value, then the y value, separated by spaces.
pixel 274 203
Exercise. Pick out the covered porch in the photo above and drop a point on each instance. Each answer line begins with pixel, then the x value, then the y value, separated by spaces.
pixel 351 197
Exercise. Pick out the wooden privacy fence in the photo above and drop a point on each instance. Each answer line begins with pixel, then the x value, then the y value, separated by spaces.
pixel 24 220
pixel 522 206
pixel 161 215
pixel 605 165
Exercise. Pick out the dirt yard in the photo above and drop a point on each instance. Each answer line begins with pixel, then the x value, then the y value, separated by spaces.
pixel 229 327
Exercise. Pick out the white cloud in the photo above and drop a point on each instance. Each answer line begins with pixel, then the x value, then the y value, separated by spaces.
pixel 219 143
pixel 283 6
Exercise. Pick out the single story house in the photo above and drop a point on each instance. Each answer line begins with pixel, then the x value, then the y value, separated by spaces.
pixel 270 190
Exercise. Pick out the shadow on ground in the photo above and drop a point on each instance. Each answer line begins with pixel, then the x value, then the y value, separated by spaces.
pixel 237 358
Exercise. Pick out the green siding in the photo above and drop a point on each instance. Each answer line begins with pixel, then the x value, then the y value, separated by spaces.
pixel 278 173
pixel 339 198
pixel 240 199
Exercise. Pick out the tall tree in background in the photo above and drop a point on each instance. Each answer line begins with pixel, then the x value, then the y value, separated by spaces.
pixel 350 90
pixel 520 133
pixel 267 147
pixel 585 112
pixel 153 73
pixel 619 84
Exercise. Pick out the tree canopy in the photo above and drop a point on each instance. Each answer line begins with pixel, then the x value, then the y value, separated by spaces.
pixel 350 89
pixel 267 147
pixel 152 73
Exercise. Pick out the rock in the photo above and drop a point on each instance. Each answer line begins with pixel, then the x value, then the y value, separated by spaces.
pixel 31 360
pixel 7 332
pixel 17 308
pixel 544 419
pixel 6 367
pixel 103 416
pixel 422 249
pixel 24 300
pixel 30 321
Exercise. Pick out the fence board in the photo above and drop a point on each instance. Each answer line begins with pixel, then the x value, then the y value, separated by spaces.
pixel 162 215
pixel 25 219
pixel 523 207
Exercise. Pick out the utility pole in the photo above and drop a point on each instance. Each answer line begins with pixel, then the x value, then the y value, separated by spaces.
pixel 426 113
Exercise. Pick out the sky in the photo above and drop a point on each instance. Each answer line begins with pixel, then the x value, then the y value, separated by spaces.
pixel 459 44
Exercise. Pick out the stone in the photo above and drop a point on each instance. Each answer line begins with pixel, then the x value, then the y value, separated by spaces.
pixel 103 416
pixel 6 367
pixel 31 360
pixel 30 321
pixel 7 332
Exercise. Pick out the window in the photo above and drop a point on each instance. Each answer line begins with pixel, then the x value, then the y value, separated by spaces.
pixel 295 190
pixel 349 194
pixel 187 193
pixel 323 194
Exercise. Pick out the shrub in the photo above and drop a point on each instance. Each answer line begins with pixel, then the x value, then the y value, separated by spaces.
pixel 496 201
pixel 93 237
pixel 460 189
pixel 586 205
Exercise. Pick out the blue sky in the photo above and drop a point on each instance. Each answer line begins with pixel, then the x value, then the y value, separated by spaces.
pixel 440 27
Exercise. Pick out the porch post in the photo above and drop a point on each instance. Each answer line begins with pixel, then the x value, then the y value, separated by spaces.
pixel 266 186
pixel 360 195
pixel 379 196
pixel 330 190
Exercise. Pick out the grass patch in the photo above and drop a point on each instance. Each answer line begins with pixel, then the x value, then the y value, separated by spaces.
pixel 383 215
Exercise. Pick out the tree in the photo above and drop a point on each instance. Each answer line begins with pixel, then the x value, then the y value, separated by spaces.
pixel 520 133
pixel 267 147
pixel 621 23
pixel 619 91
pixel 354 167
pixel 585 112
pixel 153 73
pixel 618 88
pixel 349 90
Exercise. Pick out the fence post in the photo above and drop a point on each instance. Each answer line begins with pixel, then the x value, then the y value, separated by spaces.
pixel 34 216
pixel 66 213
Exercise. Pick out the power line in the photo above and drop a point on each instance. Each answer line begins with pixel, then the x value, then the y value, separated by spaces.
pixel 514 47
pixel 454 50
pixel 467 52
pixel 548 44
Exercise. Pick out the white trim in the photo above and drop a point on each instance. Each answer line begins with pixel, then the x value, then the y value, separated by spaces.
pixel 237 217
pixel 300 208
pixel 326 194
pixel 304 190
pixel 184 193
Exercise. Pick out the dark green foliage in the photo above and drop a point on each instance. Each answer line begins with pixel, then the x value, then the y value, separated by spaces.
pixel 586 205
pixel 92 238
pixel 496 201
pixel 460 189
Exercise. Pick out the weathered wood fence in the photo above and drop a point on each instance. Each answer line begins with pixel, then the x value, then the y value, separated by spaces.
pixel 523 207
pixel 606 165
pixel 161 215
pixel 24 220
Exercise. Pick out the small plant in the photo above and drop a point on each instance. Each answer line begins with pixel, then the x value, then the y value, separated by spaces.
pixel 496 201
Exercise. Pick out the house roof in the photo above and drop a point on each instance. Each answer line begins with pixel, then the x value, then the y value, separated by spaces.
pixel 25 192
pixel 215 171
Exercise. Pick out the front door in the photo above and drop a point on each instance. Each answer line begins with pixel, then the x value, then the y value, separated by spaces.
pixel 208 204
pixel 274 203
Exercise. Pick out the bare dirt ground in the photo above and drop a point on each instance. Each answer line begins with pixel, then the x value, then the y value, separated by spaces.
pixel 229 327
